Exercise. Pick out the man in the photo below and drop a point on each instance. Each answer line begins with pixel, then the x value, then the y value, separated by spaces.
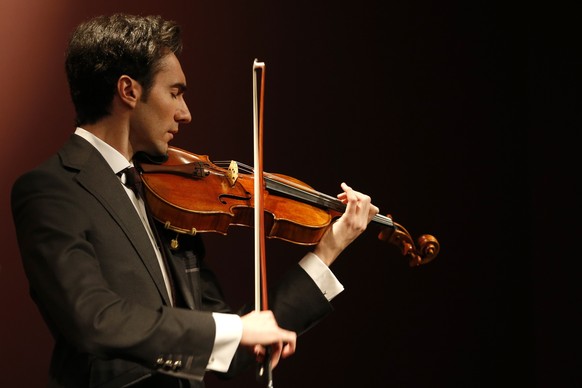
pixel 123 308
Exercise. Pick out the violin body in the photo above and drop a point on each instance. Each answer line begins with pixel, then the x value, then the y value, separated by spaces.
pixel 191 203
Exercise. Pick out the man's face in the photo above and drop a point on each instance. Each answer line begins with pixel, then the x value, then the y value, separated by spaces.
pixel 155 121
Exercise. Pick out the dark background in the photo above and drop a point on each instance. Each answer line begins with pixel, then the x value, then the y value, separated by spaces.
pixel 454 116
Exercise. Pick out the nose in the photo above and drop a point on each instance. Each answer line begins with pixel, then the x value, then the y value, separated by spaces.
pixel 183 114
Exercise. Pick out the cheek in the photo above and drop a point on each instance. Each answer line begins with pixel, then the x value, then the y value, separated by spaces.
pixel 165 111
pixel 154 118
pixel 157 116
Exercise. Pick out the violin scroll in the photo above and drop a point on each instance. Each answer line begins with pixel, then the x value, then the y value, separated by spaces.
pixel 428 246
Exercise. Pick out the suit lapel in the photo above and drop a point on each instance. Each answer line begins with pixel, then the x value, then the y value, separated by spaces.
pixel 96 176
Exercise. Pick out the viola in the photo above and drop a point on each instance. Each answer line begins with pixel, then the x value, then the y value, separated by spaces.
pixel 190 194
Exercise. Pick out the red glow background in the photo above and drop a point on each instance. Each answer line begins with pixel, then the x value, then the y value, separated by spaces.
pixel 451 116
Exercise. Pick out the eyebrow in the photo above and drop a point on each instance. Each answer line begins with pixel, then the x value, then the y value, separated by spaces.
pixel 180 86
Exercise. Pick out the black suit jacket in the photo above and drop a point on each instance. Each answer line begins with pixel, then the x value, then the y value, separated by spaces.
pixel 96 280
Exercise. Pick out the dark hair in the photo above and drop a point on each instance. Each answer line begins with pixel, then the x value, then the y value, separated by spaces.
pixel 106 47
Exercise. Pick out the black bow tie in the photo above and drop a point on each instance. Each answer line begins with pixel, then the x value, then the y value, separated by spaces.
pixel 133 180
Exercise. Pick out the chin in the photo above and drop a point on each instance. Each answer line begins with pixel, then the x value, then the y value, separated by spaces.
pixel 161 149
pixel 156 150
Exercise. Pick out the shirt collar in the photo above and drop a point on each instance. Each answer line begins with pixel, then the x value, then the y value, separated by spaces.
pixel 114 158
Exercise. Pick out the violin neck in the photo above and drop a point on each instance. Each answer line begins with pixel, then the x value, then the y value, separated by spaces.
pixel 316 198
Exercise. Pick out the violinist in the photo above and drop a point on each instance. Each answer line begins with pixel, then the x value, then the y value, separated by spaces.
pixel 123 308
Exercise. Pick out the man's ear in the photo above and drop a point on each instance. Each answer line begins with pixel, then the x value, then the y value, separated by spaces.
pixel 129 90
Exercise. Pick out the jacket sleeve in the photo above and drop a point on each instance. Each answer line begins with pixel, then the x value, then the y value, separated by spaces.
pixel 298 305
pixel 93 288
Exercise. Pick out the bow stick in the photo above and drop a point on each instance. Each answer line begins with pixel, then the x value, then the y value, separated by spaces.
pixel 261 297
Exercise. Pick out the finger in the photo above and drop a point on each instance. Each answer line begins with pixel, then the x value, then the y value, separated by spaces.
pixel 351 195
pixel 348 196
pixel 259 352
pixel 373 211
pixel 343 195
pixel 275 354
pixel 288 349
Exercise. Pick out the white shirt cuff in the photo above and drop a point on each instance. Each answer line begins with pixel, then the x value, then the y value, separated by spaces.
pixel 321 275
pixel 228 335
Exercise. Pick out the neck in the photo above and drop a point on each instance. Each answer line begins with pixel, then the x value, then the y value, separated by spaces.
pixel 112 133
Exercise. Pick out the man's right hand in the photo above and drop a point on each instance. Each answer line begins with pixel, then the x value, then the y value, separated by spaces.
pixel 260 329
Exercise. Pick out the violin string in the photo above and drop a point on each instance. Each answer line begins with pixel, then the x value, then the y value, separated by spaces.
pixel 288 187
pixel 285 186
